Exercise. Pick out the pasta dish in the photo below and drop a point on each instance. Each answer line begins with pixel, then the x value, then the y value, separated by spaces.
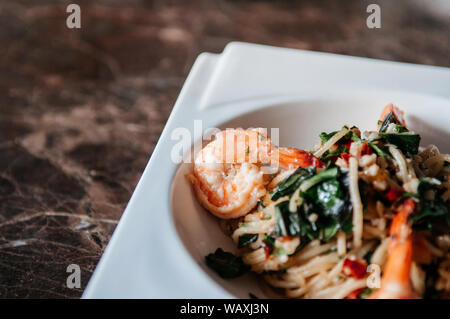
pixel 361 215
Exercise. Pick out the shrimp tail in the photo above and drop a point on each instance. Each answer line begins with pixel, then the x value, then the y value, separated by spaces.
pixel 397 114
pixel 290 158
pixel 395 283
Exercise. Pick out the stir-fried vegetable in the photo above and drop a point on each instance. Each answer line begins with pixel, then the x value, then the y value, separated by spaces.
pixel 246 239
pixel 432 212
pixel 342 145
pixel 377 149
pixel 389 119
pixel 399 136
pixel 290 184
pixel 333 154
pixel 288 224
pixel 369 188
pixel 324 208
pixel 407 142
pixel 225 264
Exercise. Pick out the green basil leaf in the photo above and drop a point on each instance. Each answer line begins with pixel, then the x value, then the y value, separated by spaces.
pixel 347 226
pixel 280 252
pixel 330 196
pixel 246 239
pixel 318 178
pixel 290 184
pixel 407 142
pixel 327 155
pixel 324 137
pixel 379 150
pixel 430 213
pixel 287 223
pixel 269 240
pixel 225 264
pixel 431 209
pixel 274 272
pixel 330 231
pixel 365 293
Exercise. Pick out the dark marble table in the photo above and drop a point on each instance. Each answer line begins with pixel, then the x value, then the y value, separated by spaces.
pixel 81 110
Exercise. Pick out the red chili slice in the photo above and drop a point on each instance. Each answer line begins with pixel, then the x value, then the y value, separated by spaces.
pixel 366 149
pixel 393 194
pixel 293 158
pixel 267 249
pixel 354 268
pixel 355 293
pixel 345 157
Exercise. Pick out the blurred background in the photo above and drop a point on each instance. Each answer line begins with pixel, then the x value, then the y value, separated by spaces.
pixel 82 109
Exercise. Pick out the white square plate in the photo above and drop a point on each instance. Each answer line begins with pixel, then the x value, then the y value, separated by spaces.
pixel 158 248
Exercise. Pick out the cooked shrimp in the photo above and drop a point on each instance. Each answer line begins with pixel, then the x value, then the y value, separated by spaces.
pixel 228 176
pixel 395 283
pixel 397 113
